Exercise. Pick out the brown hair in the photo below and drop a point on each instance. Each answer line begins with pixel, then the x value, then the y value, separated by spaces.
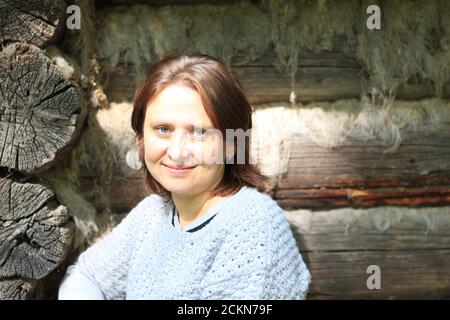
pixel 225 104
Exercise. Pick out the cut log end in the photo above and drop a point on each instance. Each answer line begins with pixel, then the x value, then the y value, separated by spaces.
pixel 39 22
pixel 40 112
pixel 35 233
pixel 15 289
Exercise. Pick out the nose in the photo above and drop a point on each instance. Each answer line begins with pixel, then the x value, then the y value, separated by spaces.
pixel 178 149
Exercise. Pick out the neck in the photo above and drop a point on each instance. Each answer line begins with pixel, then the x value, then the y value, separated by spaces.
pixel 190 207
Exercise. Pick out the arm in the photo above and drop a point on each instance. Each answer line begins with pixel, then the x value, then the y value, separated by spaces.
pixel 258 260
pixel 288 276
pixel 101 271
pixel 76 286
pixel 239 268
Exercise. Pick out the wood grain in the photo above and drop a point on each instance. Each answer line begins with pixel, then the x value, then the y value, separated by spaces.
pixel 41 113
pixel 411 247
pixel 15 289
pixel 38 22
pixel 327 76
pixel 35 231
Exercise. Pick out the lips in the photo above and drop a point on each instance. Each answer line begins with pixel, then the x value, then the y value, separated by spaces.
pixel 178 169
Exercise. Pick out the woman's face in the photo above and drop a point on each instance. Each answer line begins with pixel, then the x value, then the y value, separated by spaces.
pixel 174 136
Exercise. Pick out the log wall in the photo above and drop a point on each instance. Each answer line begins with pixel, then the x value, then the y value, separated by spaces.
pixel 362 182
pixel 410 246
pixel 42 113
pixel 320 77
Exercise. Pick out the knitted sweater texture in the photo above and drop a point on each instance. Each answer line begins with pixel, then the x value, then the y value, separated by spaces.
pixel 247 251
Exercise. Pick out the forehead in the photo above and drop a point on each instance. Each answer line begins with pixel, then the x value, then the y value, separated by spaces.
pixel 177 104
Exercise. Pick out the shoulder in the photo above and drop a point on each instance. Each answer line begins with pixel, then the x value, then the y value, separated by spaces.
pixel 150 206
pixel 264 206
pixel 273 221
pixel 152 201
pixel 259 212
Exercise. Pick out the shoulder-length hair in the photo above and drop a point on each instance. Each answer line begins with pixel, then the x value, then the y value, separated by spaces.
pixel 225 103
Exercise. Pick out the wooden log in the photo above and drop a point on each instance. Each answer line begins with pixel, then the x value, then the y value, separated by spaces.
pixel 105 3
pixel 15 289
pixel 352 154
pixel 361 175
pixel 32 21
pixel 411 247
pixel 126 190
pixel 266 85
pixel 35 231
pixel 316 79
pixel 417 274
pixel 326 77
pixel 420 158
pixel 401 196
pixel 121 197
pixel 41 113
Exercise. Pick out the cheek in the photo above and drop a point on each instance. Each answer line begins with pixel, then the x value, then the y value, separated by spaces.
pixel 154 148
pixel 211 172
pixel 211 166
pixel 210 152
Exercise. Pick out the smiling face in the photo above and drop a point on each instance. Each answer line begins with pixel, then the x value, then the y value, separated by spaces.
pixel 175 137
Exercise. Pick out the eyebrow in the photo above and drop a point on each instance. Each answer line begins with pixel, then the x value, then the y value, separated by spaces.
pixel 168 124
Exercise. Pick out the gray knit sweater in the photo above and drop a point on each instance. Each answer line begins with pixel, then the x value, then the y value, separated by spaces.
pixel 245 251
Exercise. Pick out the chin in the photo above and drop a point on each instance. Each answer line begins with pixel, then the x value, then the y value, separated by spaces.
pixel 178 188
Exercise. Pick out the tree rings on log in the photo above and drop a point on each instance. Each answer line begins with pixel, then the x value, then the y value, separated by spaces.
pixel 39 22
pixel 15 289
pixel 41 113
pixel 35 231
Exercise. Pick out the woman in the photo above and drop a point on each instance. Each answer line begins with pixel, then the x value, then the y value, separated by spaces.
pixel 207 231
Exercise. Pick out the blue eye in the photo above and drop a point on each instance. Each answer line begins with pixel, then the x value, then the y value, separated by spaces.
pixel 165 130
pixel 199 132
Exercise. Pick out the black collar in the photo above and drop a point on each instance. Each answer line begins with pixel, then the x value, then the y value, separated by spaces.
pixel 193 229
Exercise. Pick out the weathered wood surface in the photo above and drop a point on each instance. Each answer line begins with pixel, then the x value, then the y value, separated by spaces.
pixel 32 21
pixel 41 113
pixel 126 190
pixel 361 175
pixel 104 3
pixel 313 198
pixel 411 247
pixel 321 77
pixel 35 232
pixel 421 274
pixel 15 289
